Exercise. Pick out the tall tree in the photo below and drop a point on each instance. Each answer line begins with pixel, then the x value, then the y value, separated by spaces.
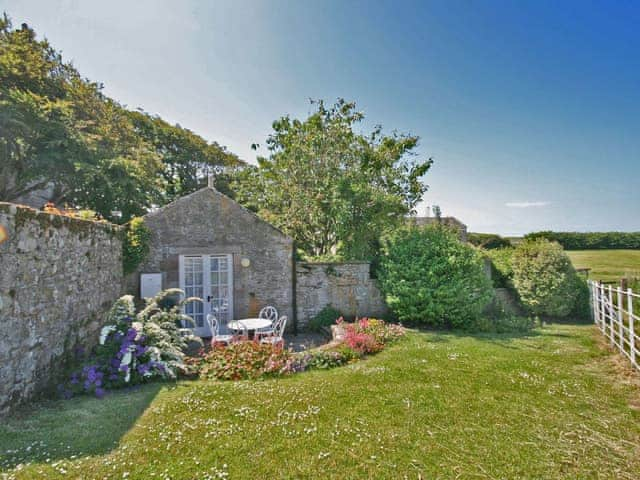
pixel 59 132
pixel 335 191
pixel 187 158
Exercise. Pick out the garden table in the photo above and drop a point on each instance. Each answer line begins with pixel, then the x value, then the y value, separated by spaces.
pixel 250 324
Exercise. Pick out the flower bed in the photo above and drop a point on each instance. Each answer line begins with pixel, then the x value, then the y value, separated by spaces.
pixel 133 348
pixel 250 360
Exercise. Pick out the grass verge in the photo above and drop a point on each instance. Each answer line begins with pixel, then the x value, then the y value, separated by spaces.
pixel 545 405
pixel 607 265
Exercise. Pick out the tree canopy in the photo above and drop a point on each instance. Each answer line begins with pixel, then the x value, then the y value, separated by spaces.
pixel 59 131
pixel 333 190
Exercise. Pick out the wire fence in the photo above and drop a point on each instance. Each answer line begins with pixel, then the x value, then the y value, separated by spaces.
pixel 616 312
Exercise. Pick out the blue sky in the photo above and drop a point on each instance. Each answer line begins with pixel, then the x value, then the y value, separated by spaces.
pixel 531 110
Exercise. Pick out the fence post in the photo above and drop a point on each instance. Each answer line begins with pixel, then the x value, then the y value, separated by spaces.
pixel 632 339
pixel 620 329
pixel 611 315
pixel 603 318
pixel 592 291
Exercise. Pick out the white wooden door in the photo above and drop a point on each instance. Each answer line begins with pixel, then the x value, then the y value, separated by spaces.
pixel 220 289
pixel 209 277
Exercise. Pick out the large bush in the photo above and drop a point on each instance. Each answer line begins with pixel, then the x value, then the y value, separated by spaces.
pixel 134 348
pixel 428 276
pixel 545 279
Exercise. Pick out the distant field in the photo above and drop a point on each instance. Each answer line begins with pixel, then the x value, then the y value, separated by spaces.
pixel 607 265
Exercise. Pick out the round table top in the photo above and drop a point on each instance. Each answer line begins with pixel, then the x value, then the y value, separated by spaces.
pixel 249 324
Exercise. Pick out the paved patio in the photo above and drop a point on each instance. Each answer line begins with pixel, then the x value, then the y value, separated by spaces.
pixel 305 341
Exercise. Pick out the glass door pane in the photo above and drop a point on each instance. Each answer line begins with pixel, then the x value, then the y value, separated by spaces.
pixel 220 287
pixel 194 287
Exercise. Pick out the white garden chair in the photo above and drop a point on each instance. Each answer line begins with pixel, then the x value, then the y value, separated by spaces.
pixel 214 326
pixel 277 338
pixel 268 313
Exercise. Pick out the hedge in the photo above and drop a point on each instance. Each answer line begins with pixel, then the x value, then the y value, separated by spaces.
pixel 488 241
pixel 590 240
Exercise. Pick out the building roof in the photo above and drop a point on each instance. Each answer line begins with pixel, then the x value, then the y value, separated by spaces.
pixel 216 193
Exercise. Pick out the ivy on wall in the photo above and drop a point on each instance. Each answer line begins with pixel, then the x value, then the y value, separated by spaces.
pixel 135 245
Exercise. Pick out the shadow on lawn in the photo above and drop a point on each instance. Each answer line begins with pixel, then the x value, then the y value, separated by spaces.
pixel 82 426
pixel 503 338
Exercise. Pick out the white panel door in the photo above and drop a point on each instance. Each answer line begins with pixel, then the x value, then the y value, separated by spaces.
pixel 192 282
pixel 220 292
pixel 209 277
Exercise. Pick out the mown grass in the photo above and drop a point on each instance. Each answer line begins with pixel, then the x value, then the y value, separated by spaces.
pixel 545 405
pixel 607 265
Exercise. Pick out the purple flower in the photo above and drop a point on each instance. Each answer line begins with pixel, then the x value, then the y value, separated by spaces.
pixel 140 350
pixel 100 392
pixel 132 333
pixel 92 375
pixel 143 368
pixel 124 368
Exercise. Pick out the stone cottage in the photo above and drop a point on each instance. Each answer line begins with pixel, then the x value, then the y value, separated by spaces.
pixel 450 222
pixel 213 248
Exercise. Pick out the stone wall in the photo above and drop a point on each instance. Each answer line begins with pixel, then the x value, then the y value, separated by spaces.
pixel 57 277
pixel 347 287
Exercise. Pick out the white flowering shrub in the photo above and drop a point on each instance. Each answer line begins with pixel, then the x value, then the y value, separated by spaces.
pixel 135 348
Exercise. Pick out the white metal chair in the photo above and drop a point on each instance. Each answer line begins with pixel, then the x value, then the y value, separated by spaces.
pixel 268 313
pixel 214 326
pixel 278 333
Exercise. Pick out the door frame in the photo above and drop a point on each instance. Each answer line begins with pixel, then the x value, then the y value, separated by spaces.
pixel 204 331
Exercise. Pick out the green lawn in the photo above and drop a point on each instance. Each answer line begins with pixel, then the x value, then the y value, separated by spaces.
pixel 549 405
pixel 607 265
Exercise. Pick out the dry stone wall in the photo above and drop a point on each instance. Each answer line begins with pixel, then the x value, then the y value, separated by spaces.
pixel 58 276
pixel 348 287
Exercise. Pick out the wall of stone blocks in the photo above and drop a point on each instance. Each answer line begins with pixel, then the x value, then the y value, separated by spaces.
pixel 348 287
pixel 58 276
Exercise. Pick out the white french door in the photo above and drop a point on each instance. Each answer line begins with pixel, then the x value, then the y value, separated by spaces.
pixel 209 277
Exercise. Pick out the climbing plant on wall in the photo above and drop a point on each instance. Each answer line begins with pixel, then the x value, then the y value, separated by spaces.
pixel 135 245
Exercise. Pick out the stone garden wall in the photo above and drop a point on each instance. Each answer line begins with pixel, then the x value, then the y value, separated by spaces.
pixel 58 275
pixel 347 287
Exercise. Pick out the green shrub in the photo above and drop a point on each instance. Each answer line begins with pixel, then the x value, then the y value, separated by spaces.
pixel 324 318
pixel 429 277
pixel 545 280
pixel 488 241
pixel 501 269
pixel 135 246
pixel 582 308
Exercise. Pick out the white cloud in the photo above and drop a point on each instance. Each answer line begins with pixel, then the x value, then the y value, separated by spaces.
pixel 526 204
